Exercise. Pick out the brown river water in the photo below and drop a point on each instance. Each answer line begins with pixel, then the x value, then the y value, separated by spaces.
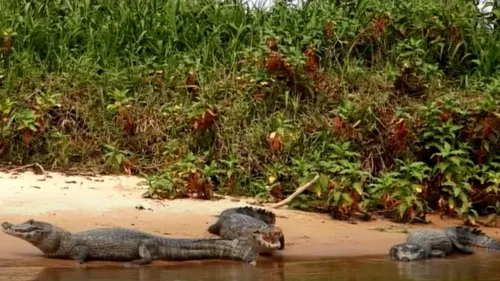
pixel 482 266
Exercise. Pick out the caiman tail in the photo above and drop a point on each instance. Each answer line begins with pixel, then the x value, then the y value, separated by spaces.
pixel 476 237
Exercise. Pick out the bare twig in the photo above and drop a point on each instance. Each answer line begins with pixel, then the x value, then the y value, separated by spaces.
pixel 41 171
pixel 297 192
pixel 35 165
pixel 20 168
pixel 38 169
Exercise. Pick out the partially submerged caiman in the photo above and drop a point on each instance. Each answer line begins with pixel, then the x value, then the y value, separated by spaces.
pixel 424 244
pixel 136 247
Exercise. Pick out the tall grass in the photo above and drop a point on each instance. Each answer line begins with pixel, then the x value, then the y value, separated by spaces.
pixel 162 33
pixel 210 94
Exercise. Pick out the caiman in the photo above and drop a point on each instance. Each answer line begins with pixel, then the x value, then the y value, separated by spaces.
pixel 136 247
pixel 233 223
pixel 439 243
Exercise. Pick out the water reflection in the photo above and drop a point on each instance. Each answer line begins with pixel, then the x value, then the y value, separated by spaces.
pixel 484 267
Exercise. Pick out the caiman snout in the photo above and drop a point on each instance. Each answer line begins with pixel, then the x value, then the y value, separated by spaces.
pixel 29 230
pixel 6 225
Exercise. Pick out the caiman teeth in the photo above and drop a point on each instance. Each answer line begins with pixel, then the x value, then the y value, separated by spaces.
pixel 269 245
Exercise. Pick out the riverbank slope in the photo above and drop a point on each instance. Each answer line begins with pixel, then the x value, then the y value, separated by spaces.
pixel 78 203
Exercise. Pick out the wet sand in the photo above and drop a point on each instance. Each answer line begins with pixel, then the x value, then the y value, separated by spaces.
pixel 79 203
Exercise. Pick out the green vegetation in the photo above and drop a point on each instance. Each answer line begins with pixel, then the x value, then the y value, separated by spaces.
pixel 395 104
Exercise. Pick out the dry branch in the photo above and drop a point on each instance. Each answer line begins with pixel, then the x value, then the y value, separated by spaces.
pixel 297 192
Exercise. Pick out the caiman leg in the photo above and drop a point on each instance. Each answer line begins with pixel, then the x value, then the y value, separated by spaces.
pixel 437 254
pixel 147 249
pixel 462 248
pixel 80 253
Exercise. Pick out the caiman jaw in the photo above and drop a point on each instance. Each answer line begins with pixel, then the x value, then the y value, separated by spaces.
pixel 268 239
pixel 25 230
pixel 406 252
pixel 6 227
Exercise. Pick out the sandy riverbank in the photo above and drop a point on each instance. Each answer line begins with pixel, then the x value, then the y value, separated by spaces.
pixel 78 203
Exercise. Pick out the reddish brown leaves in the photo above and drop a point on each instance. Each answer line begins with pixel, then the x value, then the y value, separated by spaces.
pixel 338 123
pixel 7 45
pixel 482 154
pixel 482 134
pixel 127 166
pixel 129 125
pixel 340 212
pixel 271 44
pixel 445 116
pixel 26 136
pixel 205 121
pixel 388 202
pixel 275 142
pixel 276 65
pixel 274 62
pixel 124 120
pixel 329 29
pixel 193 182
pixel 311 60
pixel 277 191
pixel 456 34
pixel 332 185
pixel 196 184
pixel 487 128
pixel 341 128
pixel 379 25
pixel 398 134
pixel 356 199
pixel 409 214
pixel 231 185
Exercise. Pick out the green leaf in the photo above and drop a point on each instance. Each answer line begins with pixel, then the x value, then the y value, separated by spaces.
pixel 486 146
pixel 323 182
pixel 451 203
pixel 402 209
pixel 358 186
pixel 336 197
pixel 447 146
pixel 441 167
pixel 347 198
pixel 337 150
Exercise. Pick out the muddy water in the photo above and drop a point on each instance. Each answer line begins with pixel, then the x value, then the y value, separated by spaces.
pixel 482 267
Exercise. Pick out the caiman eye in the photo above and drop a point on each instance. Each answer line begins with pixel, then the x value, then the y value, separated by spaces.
pixel 31 221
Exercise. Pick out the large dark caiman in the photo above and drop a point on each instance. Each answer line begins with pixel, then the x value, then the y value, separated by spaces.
pixel 139 248
pixel 235 222
pixel 439 243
